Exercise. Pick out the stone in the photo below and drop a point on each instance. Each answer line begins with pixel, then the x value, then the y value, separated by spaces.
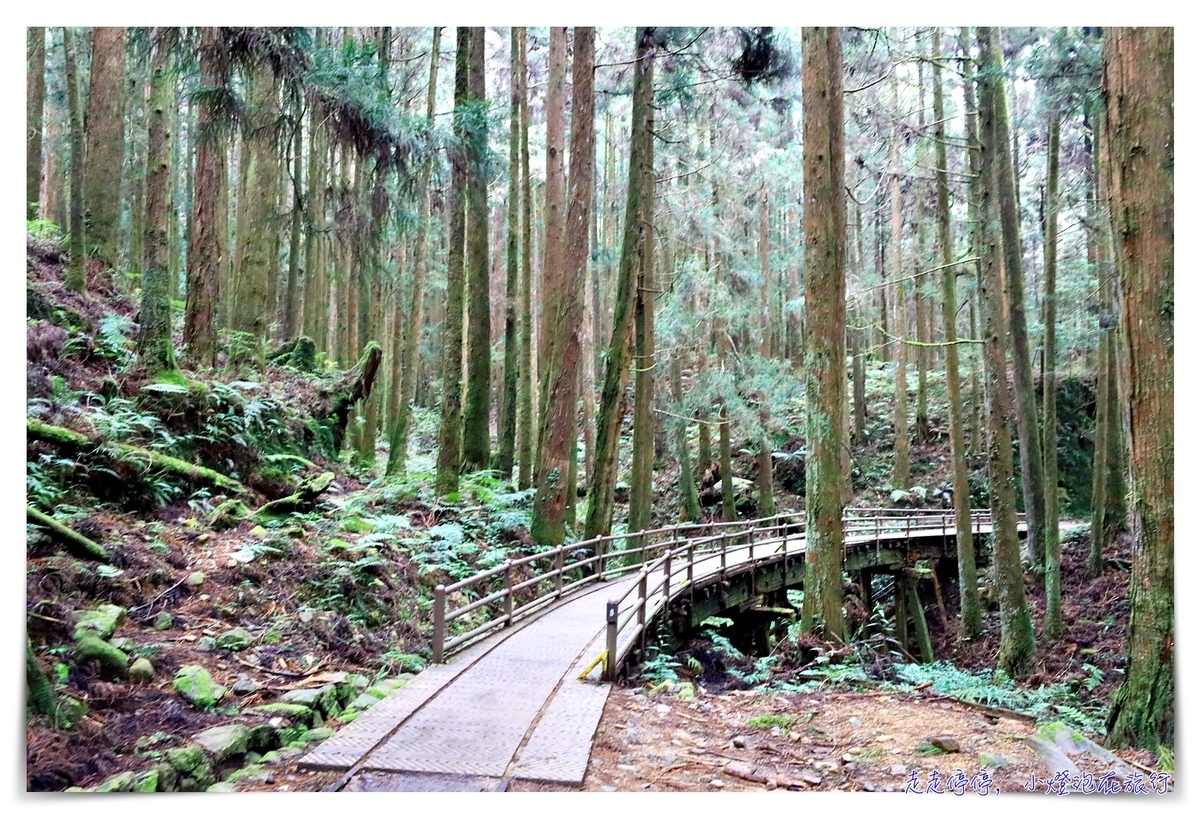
pixel 141 670
pixel 993 761
pixel 195 579
pixel 607 788
pixel 88 646
pixel 855 721
pixel 294 713
pixel 739 741
pixel 324 698
pixel 317 734
pixel 809 777
pixel 121 782
pixel 220 786
pixel 263 737
pixel 163 621
pixel 259 531
pixel 228 514
pixel 899 769
pixel 146 782
pixel 168 777
pixel 196 685
pixel 187 759
pixel 627 768
pixel 235 639
pixel 662 709
pixel 716 782
pixel 868 786
pixel 946 744
pixel 123 643
pixel 101 622
pixel 244 685
pixel 224 741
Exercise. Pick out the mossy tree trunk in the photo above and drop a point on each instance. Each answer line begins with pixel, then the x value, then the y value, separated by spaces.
pixel 508 405
pixel 548 525
pixel 207 256
pixel 525 421
pixel 825 319
pixel 35 102
pixel 104 155
pixel 1017 647
pixel 411 353
pixel 1139 82
pixel 1033 481
pixel 478 412
pixel 688 495
pixel 76 277
pixel 602 483
pixel 450 426
pixel 154 340
pixel 641 483
pixel 972 615
pixel 1052 625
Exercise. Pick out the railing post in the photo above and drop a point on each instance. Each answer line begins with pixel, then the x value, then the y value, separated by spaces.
pixel 558 569
pixel 439 624
pixel 508 593
pixel 666 580
pixel 691 561
pixel 642 594
pixel 600 542
pixel 750 536
pixel 724 540
pixel 610 642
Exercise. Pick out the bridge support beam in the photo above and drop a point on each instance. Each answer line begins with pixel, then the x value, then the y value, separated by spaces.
pixel 901 592
pixel 920 626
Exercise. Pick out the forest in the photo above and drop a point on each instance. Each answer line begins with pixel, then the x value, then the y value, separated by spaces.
pixel 322 321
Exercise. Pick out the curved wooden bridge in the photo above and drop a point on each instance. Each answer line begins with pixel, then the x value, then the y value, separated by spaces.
pixel 524 653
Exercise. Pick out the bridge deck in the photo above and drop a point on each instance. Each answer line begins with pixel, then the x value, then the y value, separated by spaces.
pixel 511 705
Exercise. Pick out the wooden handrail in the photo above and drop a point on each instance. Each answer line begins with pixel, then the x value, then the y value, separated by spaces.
pixel 669 551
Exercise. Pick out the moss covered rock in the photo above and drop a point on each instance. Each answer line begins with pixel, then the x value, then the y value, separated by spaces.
pixel 224 741
pixel 113 661
pixel 196 684
pixel 101 622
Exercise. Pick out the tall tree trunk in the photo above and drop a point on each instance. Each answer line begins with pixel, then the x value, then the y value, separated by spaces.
pixel 1139 82
pixel 525 387
pixel 210 227
pixel 104 156
pixel 253 307
pixel 972 615
pixel 549 504
pixel 478 412
pixel 411 355
pixel 1017 646
pixel 825 319
pixel 1100 452
pixel 1052 625
pixel 764 273
pixel 689 497
pixel 76 277
pixel 725 454
pixel 602 483
pixel 900 463
pixel 553 248
pixel 641 483
pixel 450 428
pixel 154 340
pixel 971 131
pixel 35 102
pixel 291 304
pixel 508 405
pixel 1033 480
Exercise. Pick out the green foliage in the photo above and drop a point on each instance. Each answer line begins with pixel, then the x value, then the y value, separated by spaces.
pixel 44 231
pixel 766 721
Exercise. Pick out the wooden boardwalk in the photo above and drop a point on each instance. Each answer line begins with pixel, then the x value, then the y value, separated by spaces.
pixel 511 705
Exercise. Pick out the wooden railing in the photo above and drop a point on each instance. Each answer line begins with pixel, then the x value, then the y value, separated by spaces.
pixel 518 588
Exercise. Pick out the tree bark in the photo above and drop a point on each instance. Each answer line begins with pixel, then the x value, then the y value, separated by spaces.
pixel 104 155
pixel 525 423
pixel 825 319
pixel 1138 85
pixel 1033 481
pixel 603 480
pixel 155 346
pixel 35 102
pixel 450 427
pixel 900 463
pixel 478 411
pixel 1017 647
pixel 508 405
pixel 972 614
pixel 76 277
pixel 1052 625
pixel 641 483
pixel 688 496
pixel 548 524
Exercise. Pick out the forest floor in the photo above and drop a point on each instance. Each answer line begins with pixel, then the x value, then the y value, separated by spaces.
pixel 337 597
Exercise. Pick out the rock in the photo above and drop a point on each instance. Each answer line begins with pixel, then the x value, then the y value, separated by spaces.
pixel 146 782
pixel 993 761
pixel 224 741
pixel 206 643
pixel 168 777
pixel 141 671
pixel 121 782
pixel 627 768
pixel 716 782
pixel 706 708
pixel 739 741
pixel 317 734
pixel 113 662
pixel 855 721
pixel 123 643
pixel 235 639
pixel 163 621
pixel 220 786
pixel 885 739
pixel 228 514
pixel 101 622
pixel 196 685
pixel 188 760
pixel 324 698
pixel 899 769
pixel 662 709
pixel 195 579
pixel 70 709
pixel 244 685
pixel 607 788
pixel 263 737
pixel 259 531
pixel 946 744
pixel 809 777
pixel 295 713
pixel 868 786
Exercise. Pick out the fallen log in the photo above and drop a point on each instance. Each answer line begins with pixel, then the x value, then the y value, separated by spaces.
pixel 359 389
pixel 76 543
pixel 304 499
pixel 189 471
